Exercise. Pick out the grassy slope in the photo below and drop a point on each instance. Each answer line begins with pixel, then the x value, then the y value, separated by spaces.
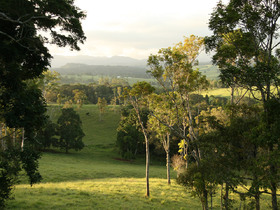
pixel 94 178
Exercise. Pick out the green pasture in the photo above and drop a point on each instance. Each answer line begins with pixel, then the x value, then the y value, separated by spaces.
pixel 221 92
pixel 209 70
pixel 97 178
pixel 87 79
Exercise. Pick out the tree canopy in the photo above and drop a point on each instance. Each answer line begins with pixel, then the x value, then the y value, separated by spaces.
pixel 26 26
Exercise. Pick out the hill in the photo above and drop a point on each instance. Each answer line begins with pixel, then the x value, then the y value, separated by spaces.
pixel 59 61
pixel 74 69
pixel 101 70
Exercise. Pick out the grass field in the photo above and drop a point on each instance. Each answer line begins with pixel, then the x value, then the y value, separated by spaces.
pixel 96 177
pixel 87 79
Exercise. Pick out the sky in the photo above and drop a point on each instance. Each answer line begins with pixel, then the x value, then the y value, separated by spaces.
pixel 138 28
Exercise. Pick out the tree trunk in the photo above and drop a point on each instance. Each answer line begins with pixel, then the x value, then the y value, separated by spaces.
pixel 257 199
pixel 14 137
pixel 204 200
pixel 274 195
pixel 232 95
pixel 147 166
pixel 5 142
pixel 226 197
pixel 211 196
pixel 222 186
pixel 1 137
pixel 22 140
pixel 168 159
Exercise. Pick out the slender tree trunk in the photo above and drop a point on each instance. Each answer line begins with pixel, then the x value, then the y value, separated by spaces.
pixel 222 186
pixel 1 137
pixel 5 134
pixel 274 195
pixel 168 159
pixel 22 140
pixel 204 200
pixel 257 199
pixel 211 196
pixel 14 137
pixel 147 166
pixel 226 197
pixel 232 95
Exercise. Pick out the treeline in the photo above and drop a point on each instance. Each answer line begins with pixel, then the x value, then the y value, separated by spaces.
pixel 130 139
pixel 88 94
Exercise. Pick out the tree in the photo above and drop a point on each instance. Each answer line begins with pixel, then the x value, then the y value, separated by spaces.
pixel 163 110
pixel 245 41
pixel 23 57
pixel 70 131
pixel 79 97
pixel 230 147
pixel 48 82
pixel 45 137
pixel 173 69
pixel 137 96
pixel 130 139
pixel 102 104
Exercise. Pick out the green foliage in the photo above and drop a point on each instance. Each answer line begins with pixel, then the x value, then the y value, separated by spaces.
pixel 83 93
pixel 12 160
pixel 69 130
pixel 173 68
pixel 23 58
pixel 48 83
pixel 130 140
pixel 9 168
pixel 30 164
pixel 196 178
pixel 26 109
pixel 46 135
pixel 245 41
pixel 79 97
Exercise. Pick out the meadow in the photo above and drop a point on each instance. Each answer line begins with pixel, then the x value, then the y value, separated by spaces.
pixel 97 177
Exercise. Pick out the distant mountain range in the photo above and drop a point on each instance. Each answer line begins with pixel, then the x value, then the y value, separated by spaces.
pixel 59 61
pixel 116 66
pixel 102 70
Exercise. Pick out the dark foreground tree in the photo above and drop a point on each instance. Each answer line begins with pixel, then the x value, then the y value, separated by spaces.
pixel 246 44
pixel 23 57
pixel 70 131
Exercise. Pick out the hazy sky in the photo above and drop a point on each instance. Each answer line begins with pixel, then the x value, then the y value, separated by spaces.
pixel 139 28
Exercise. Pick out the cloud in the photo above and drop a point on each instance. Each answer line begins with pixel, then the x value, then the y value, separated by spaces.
pixel 137 29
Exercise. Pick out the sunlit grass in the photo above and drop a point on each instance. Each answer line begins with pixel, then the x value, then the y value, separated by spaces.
pixel 109 193
pixel 222 92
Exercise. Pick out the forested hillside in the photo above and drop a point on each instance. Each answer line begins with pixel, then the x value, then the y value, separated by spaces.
pixel 112 71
